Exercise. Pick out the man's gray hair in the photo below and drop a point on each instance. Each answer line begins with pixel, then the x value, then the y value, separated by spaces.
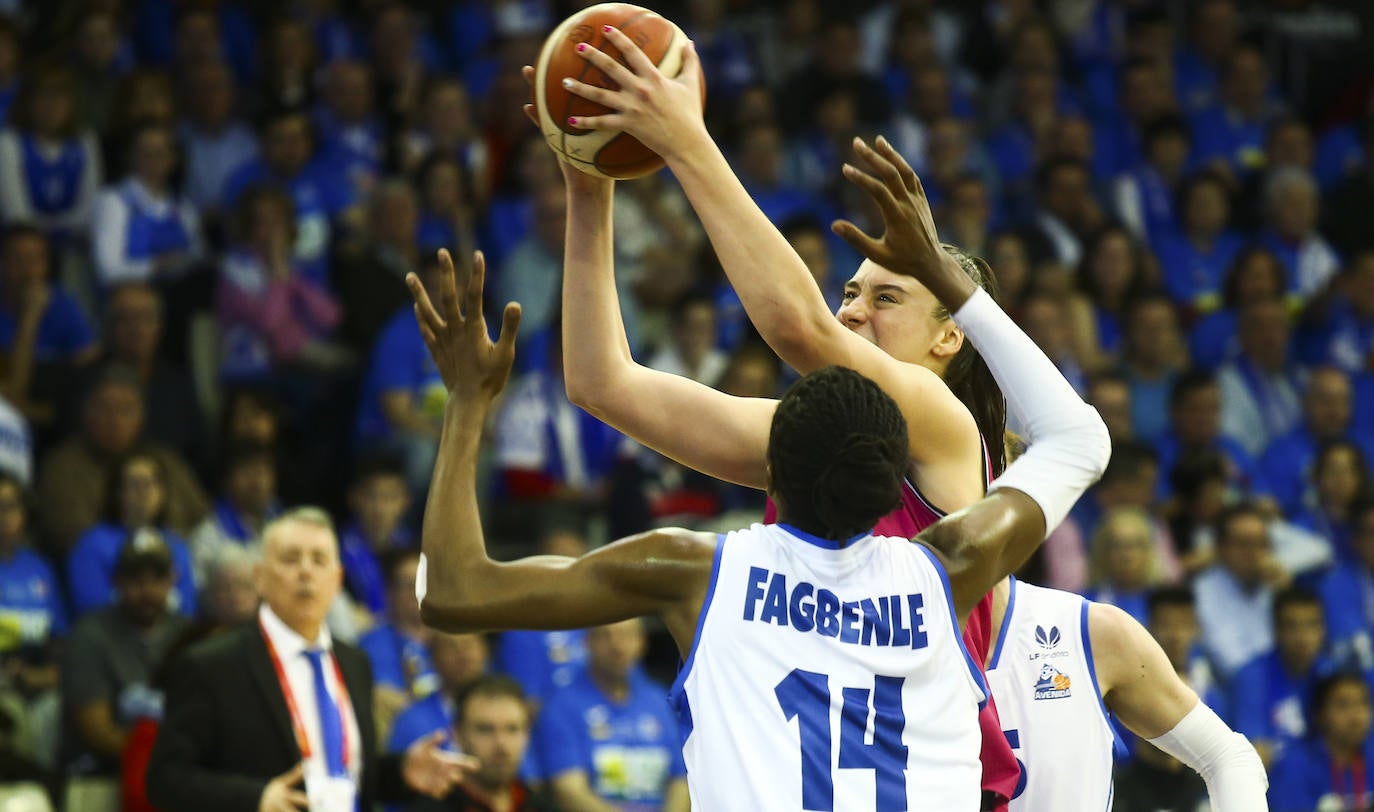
pixel 306 514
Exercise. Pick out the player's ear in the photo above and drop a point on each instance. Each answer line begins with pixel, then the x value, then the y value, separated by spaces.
pixel 949 341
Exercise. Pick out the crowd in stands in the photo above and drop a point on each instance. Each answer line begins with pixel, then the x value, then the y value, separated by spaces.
pixel 207 209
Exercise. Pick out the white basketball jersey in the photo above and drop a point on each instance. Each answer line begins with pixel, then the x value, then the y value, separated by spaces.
pixel 1043 679
pixel 829 676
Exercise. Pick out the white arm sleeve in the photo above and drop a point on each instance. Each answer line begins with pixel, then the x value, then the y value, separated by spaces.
pixel 1236 781
pixel 1069 445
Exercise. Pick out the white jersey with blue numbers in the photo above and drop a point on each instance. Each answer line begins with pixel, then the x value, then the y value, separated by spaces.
pixel 1043 679
pixel 829 676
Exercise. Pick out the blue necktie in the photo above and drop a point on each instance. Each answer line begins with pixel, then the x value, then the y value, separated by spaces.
pixel 331 721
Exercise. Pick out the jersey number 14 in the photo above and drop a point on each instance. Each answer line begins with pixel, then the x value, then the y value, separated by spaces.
pixel 805 695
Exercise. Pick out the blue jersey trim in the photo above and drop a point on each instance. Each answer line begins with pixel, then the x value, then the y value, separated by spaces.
pixel 1006 624
pixel 677 695
pixel 817 541
pixel 1092 669
pixel 973 668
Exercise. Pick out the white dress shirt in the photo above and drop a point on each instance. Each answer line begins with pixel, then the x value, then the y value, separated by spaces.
pixel 300 675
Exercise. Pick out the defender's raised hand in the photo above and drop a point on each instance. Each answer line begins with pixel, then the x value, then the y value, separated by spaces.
pixel 471 365
pixel 665 114
pixel 910 244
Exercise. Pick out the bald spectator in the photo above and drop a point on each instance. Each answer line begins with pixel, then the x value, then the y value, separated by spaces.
pixel 73 479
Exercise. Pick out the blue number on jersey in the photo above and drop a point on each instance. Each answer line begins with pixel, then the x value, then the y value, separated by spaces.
pixel 1014 740
pixel 806 696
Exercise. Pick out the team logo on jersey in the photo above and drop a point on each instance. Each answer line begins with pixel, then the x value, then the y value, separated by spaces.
pixel 1047 641
pixel 1053 683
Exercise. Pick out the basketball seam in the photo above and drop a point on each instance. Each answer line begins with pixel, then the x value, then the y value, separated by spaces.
pixel 581 77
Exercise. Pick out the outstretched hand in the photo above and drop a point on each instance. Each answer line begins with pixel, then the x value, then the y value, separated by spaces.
pixel 657 110
pixel 910 243
pixel 472 367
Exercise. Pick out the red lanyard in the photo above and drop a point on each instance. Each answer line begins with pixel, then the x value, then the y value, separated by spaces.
pixel 302 740
pixel 1357 783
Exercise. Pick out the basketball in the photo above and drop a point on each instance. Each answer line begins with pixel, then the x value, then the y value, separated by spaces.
pixel 607 153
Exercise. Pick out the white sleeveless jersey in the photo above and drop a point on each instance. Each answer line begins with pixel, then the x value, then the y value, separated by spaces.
pixel 1043 679
pixel 829 676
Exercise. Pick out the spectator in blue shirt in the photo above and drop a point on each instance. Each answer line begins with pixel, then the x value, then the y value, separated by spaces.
pixel 1341 328
pixel 1254 275
pixel 544 662
pixel 31 612
pixel 610 737
pixel 1337 481
pixel 379 502
pixel 352 139
pixel 50 170
pixel 1272 692
pixel 1195 426
pixel 247 502
pixel 1235 596
pixel 1146 196
pixel 1110 277
pixel 215 142
pixel 399 648
pixel 1214 27
pixel 1153 355
pixel 1331 768
pixel 34 311
pixel 1293 210
pixel 143 230
pixel 402 401
pixel 459 659
pixel 1327 406
pixel 322 198
pixel 1261 389
pixel 43 331
pixel 1124 562
pixel 136 500
pixel 1347 592
pixel 1232 130
pixel 1195 258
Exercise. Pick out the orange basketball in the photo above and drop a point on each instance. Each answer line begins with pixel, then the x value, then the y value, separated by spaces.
pixel 607 153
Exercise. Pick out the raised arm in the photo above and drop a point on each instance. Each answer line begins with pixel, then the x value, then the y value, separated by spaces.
pixel 460 587
pixel 775 286
pixel 709 431
pixel 1142 689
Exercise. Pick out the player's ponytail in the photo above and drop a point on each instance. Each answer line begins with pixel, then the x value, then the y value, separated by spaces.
pixel 837 451
pixel 968 376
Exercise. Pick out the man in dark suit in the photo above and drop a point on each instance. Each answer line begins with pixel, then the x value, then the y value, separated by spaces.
pixel 275 716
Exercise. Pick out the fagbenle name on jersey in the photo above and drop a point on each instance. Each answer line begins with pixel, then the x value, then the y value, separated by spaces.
pixel 884 620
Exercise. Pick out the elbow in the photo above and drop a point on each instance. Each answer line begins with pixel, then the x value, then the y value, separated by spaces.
pixel 1097 441
pixel 448 617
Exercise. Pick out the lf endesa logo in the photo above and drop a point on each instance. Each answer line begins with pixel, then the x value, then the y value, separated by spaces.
pixel 1048 642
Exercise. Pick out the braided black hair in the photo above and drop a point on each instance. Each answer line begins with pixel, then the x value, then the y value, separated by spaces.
pixel 838 454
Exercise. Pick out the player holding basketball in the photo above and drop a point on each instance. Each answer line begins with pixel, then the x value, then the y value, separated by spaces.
pixel 1152 701
pixel 775 620
pixel 890 328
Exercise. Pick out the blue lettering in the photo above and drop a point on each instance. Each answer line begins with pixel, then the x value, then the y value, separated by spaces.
pixel 757 575
pixel 849 616
pixel 901 636
pixel 775 605
pixel 918 622
pixel 827 611
pixel 803 608
pixel 874 622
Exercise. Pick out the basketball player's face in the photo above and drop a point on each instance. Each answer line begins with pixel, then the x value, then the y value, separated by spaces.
pixel 300 574
pixel 894 312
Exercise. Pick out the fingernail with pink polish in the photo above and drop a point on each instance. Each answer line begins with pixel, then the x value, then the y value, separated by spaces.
pixel 572 120
pixel 581 46
pixel 606 29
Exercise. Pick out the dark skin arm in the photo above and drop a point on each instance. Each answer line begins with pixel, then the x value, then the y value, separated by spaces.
pixel 663 573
